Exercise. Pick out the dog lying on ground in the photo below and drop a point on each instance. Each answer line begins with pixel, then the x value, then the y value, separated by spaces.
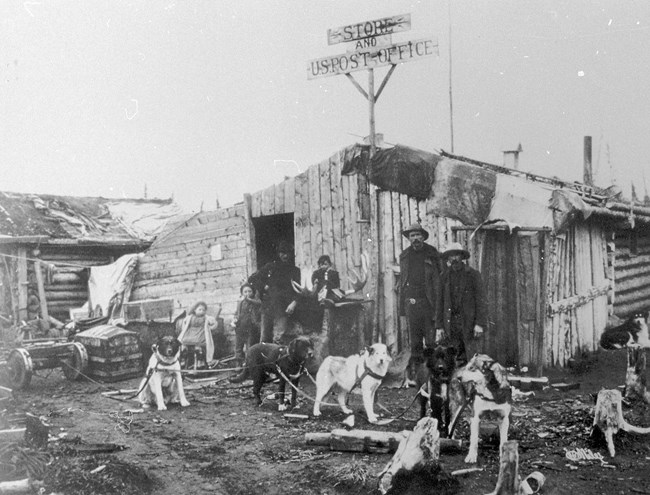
pixel 633 332
pixel 365 370
pixel 432 378
pixel 481 383
pixel 263 360
pixel 163 383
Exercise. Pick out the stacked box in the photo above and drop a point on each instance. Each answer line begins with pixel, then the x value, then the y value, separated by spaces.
pixel 114 353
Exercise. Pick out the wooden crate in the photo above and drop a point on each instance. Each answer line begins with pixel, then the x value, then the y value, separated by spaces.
pixel 114 353
pixel 149 310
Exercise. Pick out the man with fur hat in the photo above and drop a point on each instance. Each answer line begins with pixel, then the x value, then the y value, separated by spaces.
pixel 464 310
pixel 419 293
pixel 273 283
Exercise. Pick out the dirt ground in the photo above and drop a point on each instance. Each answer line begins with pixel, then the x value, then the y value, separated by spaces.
pixel 224 444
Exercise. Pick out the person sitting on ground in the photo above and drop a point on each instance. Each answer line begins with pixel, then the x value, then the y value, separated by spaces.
pixel 196 334
pixel 326 282
pixel 246 322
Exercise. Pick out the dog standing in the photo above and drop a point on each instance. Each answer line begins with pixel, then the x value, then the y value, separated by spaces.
pixel 366 370
pixel 633 332
pixel 432 378
pixel 263 360
pixel 482 383
pixel 163 383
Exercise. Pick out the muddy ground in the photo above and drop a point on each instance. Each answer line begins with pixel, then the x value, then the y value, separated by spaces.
pixel 224 444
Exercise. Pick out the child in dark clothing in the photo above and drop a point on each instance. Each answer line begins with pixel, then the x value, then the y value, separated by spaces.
pixel 326 282
pixel 246 321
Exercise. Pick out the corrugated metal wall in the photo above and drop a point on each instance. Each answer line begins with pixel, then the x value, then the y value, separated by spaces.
pixel 632 272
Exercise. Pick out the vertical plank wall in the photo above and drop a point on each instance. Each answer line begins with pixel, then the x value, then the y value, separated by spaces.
pixel 331 217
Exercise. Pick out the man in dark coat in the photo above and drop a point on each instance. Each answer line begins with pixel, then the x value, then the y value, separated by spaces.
pixel 419 293
pixel 273 283
pixel 464 310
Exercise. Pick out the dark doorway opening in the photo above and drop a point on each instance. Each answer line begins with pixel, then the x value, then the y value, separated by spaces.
pixel 270 230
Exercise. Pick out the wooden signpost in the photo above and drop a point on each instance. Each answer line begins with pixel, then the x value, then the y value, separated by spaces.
pixel 371 46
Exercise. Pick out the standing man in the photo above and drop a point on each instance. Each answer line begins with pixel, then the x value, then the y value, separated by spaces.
pixel 464 311
pixel 419 293
pixel 273 283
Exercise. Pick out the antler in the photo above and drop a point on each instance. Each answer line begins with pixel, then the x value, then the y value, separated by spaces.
pixel 359 281
pixel 299 289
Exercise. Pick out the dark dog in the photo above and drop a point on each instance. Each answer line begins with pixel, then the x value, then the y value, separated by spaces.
pixel 633 332
pixel 432 379
pixel 163 383
pixel 263 360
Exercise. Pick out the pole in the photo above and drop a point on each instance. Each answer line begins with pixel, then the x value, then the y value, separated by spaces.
pixel 371 101
pixel 587 172
pixel 451 102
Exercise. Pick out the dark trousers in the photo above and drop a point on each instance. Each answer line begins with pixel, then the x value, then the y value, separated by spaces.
pixel 276 328
pixel 247 334
pixel 419 318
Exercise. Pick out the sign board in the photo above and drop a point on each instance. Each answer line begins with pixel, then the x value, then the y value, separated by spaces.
pixel 396 53
pixel 371 44
pixel 366 29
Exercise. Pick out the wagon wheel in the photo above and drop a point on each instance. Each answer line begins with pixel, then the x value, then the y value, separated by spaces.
pixel 19 368
pixel 75 366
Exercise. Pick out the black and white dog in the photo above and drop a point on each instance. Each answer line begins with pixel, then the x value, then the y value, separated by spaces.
pixel 163 383
pixel 633 332
pixel 432 378
pixel 482 383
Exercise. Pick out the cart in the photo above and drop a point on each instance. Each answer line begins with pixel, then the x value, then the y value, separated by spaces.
pixel 22 362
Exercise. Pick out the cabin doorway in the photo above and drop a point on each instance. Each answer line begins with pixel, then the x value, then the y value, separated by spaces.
pixel 269 231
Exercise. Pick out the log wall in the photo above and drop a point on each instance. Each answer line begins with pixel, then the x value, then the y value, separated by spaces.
pixel 201 258
pixel 631 272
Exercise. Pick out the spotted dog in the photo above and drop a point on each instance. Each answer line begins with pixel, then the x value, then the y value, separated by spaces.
pixel 432 378
pixel 632 333
pixel 366 370
pixel 163 383
pixel 264 360
pixel 483 385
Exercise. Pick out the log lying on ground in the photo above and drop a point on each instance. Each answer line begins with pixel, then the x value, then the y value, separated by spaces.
pixel 635 379
pixel 420 447
pixel 18 486
pixel 370 441
pixel 608 417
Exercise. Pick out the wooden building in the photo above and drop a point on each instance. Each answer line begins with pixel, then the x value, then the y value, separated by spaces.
pixel 546 248
pixel 48 243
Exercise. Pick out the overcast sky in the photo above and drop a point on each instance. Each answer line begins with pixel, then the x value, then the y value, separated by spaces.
pixel 210 99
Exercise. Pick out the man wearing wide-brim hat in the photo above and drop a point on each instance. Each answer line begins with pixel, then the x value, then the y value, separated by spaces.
pixel 419 293
pixel 464 311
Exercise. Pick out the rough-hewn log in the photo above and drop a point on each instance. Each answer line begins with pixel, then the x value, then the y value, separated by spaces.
pixel 420 447
pixel 608 418
pixel 378 442
pixel 508 481
pixel 635 380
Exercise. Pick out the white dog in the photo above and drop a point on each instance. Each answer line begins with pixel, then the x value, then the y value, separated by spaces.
pixel 483 384
pixel 163 383
pixel 365 370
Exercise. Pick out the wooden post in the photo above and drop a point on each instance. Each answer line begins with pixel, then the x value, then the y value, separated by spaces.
pixel 508 481
pixel 21 269
pixel 41 293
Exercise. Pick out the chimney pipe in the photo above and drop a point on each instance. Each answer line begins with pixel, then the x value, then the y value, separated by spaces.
pixel 588 178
